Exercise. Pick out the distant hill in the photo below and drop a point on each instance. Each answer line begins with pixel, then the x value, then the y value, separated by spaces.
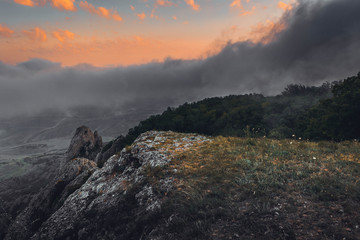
pixel 239 115
pixel 330 111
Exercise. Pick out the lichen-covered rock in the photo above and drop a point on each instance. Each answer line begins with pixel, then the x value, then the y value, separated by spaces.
pixel 119 201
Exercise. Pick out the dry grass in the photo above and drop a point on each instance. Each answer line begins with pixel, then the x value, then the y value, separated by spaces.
pixel 268 182
pixel 324 170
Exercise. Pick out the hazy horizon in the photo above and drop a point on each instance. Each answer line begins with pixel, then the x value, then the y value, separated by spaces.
pixel 309 43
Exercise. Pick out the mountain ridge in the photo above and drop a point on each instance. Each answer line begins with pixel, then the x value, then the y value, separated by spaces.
pixel 169 185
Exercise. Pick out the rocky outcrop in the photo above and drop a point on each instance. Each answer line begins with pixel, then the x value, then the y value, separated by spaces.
pixel 73 173
pixel 84 144
pixel 117 201
pixel 71 177
pixel 121 200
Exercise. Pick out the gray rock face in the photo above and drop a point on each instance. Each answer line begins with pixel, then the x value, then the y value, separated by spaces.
pixel 109 149
pixel 71 177
pixel 74 172
pixel 84 144
pixel 121 200
pixel 117 199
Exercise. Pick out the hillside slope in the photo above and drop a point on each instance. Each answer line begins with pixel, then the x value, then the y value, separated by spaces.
pixel 169 185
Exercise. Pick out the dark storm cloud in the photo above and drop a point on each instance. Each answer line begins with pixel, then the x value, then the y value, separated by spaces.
pixel 321 43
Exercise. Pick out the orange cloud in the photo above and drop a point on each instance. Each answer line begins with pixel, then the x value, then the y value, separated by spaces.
pixel 29 3
pixel 64 5
pixel 153 15
pixel 63 35
pixel 117 17
pixel 132 8
pixel 164 3
pixel 103 12
pixel 102 51
pixel 36 34
pixel 139 40
pixel 100 11
pixel 90 8
pixel 266 32
pixel 174 17
pixel 245 13
pixel 194 6
pixel 237 4
pixel 284 6
pixel 5 31
pixel 141 16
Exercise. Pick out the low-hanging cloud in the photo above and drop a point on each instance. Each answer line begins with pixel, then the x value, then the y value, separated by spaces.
pixel 321 43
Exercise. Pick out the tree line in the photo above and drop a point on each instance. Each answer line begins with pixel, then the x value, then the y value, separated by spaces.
pixel 330 111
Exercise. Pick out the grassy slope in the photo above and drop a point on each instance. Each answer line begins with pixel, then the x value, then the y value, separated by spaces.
pixel 258 188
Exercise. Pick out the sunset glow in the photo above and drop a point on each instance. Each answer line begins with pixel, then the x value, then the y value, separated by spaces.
pixel 110 32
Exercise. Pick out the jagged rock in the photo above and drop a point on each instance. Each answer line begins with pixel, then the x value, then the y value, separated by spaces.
pixel 118 201
pixel 84 144
pixel 109 149
pixel 71 177
pixel 72 174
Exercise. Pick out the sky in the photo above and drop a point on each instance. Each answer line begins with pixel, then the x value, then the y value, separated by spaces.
pixel 60 56
pixel 128 32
